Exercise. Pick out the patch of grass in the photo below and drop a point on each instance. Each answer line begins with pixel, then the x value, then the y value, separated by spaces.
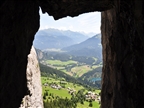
pixel 63 70
pixel 60 68
pixel 60 63
pixel 95 66
pixel 61 93
pixel 80 70
pixel 97 91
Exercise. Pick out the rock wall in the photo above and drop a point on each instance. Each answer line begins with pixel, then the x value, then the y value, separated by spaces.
pixel 34 99
pixel 19 21
pixel 123 55
pixel 62 8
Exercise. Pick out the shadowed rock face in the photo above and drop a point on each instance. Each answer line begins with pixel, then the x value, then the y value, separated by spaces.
pixel 19 21
pixel 123 55
pixel 63 8
pixel 122 40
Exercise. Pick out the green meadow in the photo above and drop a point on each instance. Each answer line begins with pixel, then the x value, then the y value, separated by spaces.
pixel 60 63
pixel 63 92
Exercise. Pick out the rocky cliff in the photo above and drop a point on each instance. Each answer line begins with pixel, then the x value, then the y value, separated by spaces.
pixel 19 21
pixel 123 55
pixel 34 98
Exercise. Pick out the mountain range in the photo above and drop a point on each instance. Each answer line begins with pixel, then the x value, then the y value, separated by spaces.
pixel 57 39
pixel 90 47
pixel 68 42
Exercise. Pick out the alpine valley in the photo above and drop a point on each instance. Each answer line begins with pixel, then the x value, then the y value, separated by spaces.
pixel 75 54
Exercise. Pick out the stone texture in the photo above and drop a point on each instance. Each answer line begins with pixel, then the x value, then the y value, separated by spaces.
pixel 19 21
pixel 34 99
pixel 62 8
pixel 123 55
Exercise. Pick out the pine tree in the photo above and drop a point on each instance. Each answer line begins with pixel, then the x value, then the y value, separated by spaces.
pixel 82 102
pixel 90 104
pixel 46 93
pixel 44 96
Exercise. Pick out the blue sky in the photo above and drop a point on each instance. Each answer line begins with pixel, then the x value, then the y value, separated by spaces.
pixel 89 22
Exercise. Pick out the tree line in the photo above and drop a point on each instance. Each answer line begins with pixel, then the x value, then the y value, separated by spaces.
pixel 66 57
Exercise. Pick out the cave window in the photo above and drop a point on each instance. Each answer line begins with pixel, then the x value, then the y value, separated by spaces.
pixel 68 43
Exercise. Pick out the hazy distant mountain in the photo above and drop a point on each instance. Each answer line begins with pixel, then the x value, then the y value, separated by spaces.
pixel 54 38
pixel 76 36
pixel 88 34
pixel 90 47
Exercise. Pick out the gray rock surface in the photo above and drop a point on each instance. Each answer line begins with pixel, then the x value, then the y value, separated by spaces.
pixel 34 99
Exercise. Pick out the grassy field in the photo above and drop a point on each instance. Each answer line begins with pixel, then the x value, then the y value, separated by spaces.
pixel 49 80
pixel 80 70
pixel 68 84
pixel 60 63
pixel 63 93
pixel 75 71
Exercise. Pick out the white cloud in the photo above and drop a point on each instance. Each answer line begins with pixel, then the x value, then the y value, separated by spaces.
pixel 71 27
pixel 89 22
pixel 62 28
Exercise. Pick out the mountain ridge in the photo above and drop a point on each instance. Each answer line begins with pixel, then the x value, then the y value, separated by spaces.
pixel 90 47
pixel 54 38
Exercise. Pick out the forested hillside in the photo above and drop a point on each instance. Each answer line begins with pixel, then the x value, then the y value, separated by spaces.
pixel 54 73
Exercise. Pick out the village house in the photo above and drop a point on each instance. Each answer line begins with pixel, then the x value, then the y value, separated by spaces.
pixel 91 95
pixel 71 91
pixel 55 86
pixel 45 84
